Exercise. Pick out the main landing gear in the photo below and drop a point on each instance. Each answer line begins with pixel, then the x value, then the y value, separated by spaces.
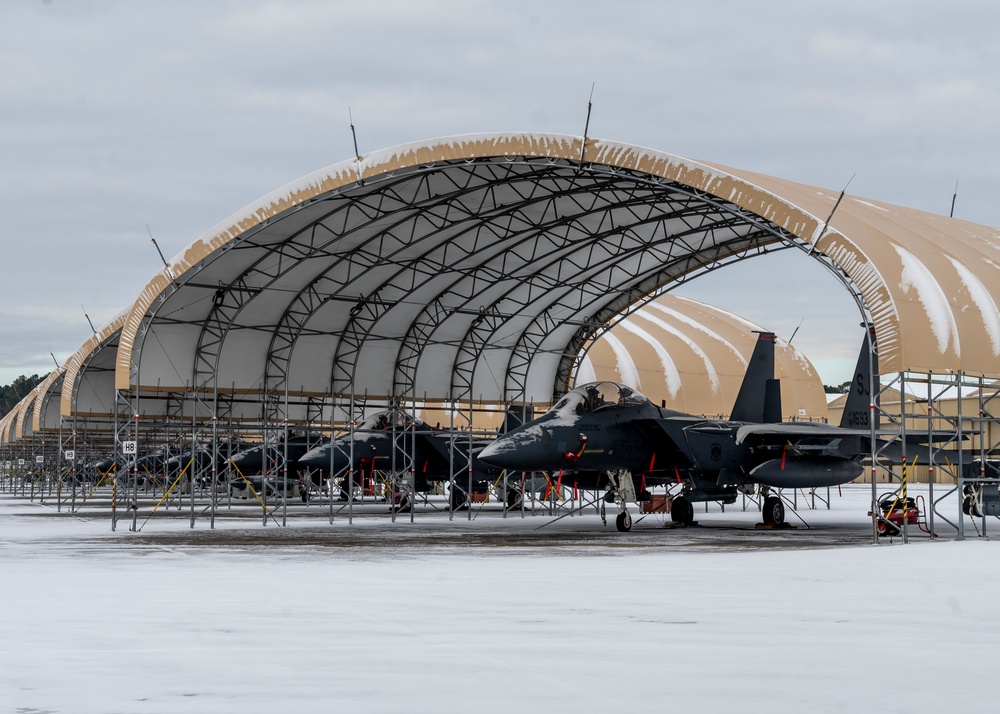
pixel 682 511
pixel 773 512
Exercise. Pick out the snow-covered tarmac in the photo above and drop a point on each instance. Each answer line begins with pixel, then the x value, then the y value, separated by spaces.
pixel 492 615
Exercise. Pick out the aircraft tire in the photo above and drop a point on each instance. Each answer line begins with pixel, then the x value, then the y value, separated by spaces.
pixel 458 499
pixel 624 522
pixel 773 511
pixel 513 499
pixel 681 510
pixel 304 494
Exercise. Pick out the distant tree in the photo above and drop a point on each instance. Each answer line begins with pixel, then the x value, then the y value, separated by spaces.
pixel 842 388
pixel 11 394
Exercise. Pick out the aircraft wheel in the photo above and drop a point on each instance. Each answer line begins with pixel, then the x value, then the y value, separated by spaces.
pixel 458 499
pixel 304 495
pixel 513 499
pixel 773 511
pixel 681 510
pixel 624 522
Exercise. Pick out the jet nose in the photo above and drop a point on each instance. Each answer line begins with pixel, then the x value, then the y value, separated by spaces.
pixel 318 458
pixel 240 458
pixel 490 454
pixel 517 451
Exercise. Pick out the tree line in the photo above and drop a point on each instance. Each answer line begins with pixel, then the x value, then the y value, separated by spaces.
pixel 11 394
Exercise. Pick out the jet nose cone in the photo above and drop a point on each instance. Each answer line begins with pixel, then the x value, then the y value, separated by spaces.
pixel 490 454
pixel 318 458
pixel 517 451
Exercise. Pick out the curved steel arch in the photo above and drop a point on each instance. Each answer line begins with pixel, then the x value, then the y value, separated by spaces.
pixel 484 278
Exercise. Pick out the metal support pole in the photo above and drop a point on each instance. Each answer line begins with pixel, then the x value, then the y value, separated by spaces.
pixel 902 434
pixel 215 473
pixel 350 468
pixel 284 467
pixel 930 456
pixel 961 461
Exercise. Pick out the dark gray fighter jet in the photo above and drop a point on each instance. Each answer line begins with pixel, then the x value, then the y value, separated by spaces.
pixel 613 435
pixel 384 442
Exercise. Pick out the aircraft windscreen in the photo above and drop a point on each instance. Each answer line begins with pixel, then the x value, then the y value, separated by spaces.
pixel 383 421
pixel 597 396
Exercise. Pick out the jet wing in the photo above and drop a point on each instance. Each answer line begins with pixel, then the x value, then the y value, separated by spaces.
pixel 806 436
pixel 813 430
pixel 667 437
pixel 791 431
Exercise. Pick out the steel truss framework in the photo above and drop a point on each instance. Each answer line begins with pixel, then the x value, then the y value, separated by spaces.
pixel 960 415
pixel 578 241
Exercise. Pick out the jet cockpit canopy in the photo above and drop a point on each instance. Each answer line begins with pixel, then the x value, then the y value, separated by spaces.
pixel 382 421
pixel 596 397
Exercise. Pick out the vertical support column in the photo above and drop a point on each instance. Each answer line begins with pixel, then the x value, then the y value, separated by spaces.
pixel 931 476
pixel 125 449
pixel 873 410
pixel 982 443
pixel 961 459
pixel 902 434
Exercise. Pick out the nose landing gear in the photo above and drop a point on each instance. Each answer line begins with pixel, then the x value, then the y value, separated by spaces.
pixel 624 521
pixel 623 493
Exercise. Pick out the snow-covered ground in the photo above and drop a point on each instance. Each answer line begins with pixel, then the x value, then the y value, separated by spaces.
pixel 492 615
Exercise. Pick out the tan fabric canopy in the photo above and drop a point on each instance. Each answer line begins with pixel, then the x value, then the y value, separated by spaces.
pixel 693 356
pixel 108 333
pixel 932 282
pixel 43 404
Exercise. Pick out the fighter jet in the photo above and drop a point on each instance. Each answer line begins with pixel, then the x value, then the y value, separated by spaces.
pixel 251 462
pixel 395 440
pixel 615 436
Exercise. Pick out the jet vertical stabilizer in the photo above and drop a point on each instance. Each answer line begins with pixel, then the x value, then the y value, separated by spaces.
pixel 857 408
pixel 772 402
pixel 751 401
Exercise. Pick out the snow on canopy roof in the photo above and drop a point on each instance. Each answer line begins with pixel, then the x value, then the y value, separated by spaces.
pixel 6 424
pixel 76 364
pixel 479 265
pixel 693 356
pixel 26 408
pixel 51 382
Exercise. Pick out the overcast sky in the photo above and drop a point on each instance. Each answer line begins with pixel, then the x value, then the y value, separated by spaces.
pixel 175 114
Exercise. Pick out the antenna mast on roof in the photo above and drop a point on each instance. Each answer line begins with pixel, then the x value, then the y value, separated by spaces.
pixel 586 126
pixel 953 197
pixel 92 329
pixel 165 264
pixel 830 217
pixel 796 330
pixel 357 154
